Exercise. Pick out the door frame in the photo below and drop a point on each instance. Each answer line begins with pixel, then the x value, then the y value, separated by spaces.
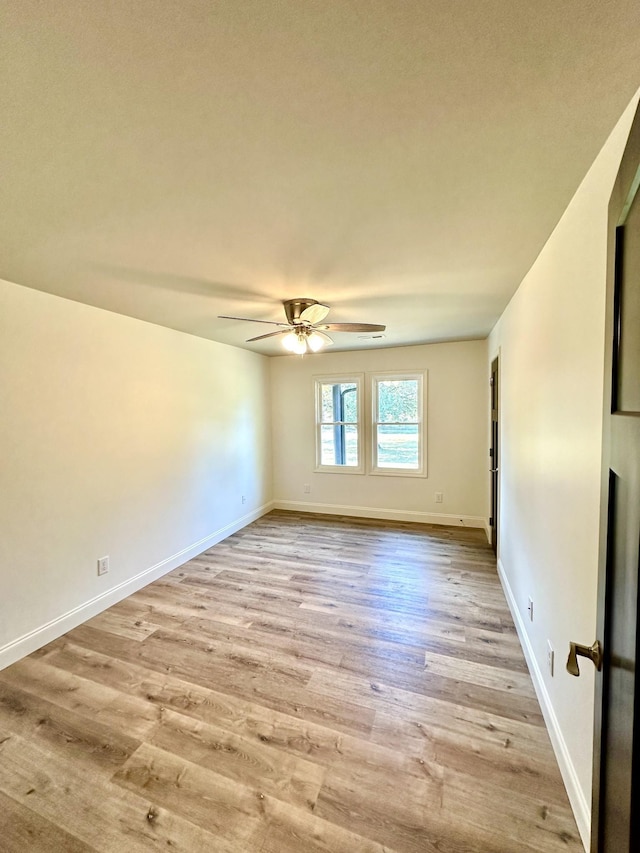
pixel 622 195
pixel 494 451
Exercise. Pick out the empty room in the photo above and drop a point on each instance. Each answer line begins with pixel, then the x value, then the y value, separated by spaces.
pixel 319 434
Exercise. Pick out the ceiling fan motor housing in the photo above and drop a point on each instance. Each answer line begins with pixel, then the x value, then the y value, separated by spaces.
pixel 293 308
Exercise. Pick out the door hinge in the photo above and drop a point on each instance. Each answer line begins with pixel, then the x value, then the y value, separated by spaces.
pixel 491 451
pixel 491 380
pixel 491 521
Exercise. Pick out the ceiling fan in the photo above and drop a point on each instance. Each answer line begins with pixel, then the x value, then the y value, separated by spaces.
pixel 304 329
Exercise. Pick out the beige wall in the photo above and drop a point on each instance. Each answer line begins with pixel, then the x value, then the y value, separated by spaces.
pixel 551 345
pixel 121 438
pixel 457 430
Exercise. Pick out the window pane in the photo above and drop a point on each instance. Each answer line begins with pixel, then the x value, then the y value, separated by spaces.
pixel 339 402
pixel 398 401
pixel 339 445
pixel 398 446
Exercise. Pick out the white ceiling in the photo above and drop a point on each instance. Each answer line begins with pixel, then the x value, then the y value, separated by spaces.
pixel 402 160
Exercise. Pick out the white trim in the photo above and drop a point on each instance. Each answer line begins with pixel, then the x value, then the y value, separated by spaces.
pixel 17 649
pixel 385 514
pixel 581 809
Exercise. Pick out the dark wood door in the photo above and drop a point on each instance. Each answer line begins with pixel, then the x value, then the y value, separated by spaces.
pixel 493 456
pixel 616 798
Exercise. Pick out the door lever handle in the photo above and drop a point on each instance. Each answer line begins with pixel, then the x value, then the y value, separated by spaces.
pixel 594 653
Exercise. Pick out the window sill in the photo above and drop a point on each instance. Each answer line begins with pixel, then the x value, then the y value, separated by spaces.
pixel 397 472
pixel 337 469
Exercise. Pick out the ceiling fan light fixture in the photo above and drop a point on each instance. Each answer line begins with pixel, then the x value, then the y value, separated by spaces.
pixel 290 341
pixel 300 345
pixel 315 342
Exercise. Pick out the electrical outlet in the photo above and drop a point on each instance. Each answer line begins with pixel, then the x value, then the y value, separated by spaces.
pixel 550 658
pixel 438 497
pixel 306 489
pixel 244 499
pixel 530 609
pixel 103 565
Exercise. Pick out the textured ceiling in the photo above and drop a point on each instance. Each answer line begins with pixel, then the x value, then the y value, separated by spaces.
pixel 402 160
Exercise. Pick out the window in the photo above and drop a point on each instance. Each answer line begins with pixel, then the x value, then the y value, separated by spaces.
pixel 338 424
pixel 397 425
pixel 387 428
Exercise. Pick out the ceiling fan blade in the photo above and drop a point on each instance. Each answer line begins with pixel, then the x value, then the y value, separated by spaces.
pixel 352 327
pixel 314 313
pixel 251 320
pixel 268 335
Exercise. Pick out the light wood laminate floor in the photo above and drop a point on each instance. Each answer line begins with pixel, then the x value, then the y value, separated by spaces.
pixel 309 685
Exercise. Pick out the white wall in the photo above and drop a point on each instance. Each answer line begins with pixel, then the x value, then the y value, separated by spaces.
pixel 117 438
pixel 457 436
pixel 551 345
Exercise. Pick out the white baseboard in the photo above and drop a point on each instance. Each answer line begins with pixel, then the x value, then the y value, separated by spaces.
pixel 387 514
pixel 581 809
pixel 17 649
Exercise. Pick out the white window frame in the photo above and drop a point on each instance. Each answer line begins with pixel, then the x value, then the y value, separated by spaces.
pixel 358 380
pixel 372 429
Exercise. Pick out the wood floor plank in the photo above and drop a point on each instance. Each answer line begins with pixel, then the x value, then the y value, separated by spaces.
pixel 22 829
pixel 228 809
pixel 79 738
pixel 324 746
pixel 259 683
pixel 416 731
pixel 85 697
pixel 293 833
pixel 311 684
pixel 519 813
pixel 321 648
pixel 481 674
pixel 402 692
pixel 102 815
pixel 118 623
pixel 372 808
pixel 254 763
